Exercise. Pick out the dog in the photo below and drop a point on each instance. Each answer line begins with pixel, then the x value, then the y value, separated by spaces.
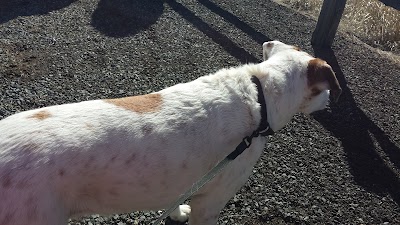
pixel 142 152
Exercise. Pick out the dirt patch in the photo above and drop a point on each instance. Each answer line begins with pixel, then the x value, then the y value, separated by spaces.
pixel 20 60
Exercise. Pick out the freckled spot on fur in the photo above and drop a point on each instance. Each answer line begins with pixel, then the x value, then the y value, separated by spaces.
pixel 184 165
pixel 209 167
pixel 89 191
pixel 164 184
pixel 89 162
pixel 30 200
pixel 89 126
pixel 113 158
pixel 145 161
pixel 113 192
pixel 163 141
pixel 22 184
pixel 130 159
pixel 61 172
pixel 105 167
pixel 181 126
pixel 147 129
pixel 144 184
pixel 6 181
pixel 31 205
pixel 7 219
pixel 51 162
pixel 140 104
pixel 30 147
pixel 166 172
pixel 41 115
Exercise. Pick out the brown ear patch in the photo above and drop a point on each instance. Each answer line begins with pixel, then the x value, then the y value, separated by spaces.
pixel 140 104
pixel 319 72
pixel 41 115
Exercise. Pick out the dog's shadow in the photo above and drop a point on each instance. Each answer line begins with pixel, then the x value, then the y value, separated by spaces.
pixel 357 133
pixel 11 9
pixel 121 18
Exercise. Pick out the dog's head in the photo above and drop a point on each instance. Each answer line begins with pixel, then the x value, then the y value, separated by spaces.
pixel 315 77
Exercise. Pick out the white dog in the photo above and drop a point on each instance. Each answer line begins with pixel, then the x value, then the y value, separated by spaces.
pixel 142 152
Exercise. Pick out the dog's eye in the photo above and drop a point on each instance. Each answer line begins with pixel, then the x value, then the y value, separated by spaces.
pixel 315 92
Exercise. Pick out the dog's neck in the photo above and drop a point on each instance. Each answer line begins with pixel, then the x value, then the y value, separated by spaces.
pixel 283 98
pixel 282 101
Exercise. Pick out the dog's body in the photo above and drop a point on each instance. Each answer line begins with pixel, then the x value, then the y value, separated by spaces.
pixel 143 152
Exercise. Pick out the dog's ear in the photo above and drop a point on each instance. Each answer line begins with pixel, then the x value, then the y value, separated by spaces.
pixel 320 74
pixel 267 48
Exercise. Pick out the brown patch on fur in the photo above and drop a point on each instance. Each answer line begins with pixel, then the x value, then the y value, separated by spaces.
pixel 41 115
pixel 140 104
pixel 184 165
pixel 318 71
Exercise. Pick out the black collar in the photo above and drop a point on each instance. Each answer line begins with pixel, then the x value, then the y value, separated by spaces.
pixel 263 129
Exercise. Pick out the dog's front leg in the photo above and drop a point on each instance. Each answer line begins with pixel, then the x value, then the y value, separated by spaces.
pixel 206 207
pixel 209 201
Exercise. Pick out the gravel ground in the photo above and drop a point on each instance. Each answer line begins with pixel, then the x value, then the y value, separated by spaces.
pixel 339 166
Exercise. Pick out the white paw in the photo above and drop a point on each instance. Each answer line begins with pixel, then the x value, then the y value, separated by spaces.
pixel 181 214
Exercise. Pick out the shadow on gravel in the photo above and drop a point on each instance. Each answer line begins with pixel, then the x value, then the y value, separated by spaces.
pixel 255 35
pixel 227 44
pixel 11 9
pixel 392 3
pixel 358 134
pixel 121 18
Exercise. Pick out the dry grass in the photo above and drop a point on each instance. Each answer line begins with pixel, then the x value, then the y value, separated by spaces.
pixel 369 20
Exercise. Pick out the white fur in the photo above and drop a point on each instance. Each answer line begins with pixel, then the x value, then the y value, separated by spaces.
pixel 97 157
